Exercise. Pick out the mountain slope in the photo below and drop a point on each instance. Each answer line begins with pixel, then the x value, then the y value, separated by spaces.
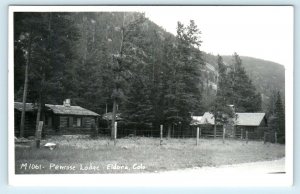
pixel 267 76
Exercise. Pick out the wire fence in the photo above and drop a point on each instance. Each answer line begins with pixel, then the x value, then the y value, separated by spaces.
pixel 264 134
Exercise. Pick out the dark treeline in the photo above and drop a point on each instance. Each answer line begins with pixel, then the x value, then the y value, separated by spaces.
pixel 122 62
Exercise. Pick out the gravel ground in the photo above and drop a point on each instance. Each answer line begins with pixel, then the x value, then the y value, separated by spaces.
pixel 264 167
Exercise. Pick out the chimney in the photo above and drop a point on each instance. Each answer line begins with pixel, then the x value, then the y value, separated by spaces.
pixel 231 106
pixel 67 102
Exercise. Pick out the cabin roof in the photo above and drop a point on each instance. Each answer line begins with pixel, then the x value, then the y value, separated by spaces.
pixel 249 119
pixel 28 108
pixel 70 110
pixel 208 119
pixel 196 120
pixel 108 116
pixel 59 109
pixel 242 119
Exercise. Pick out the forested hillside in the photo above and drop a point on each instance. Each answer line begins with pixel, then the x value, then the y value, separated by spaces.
pixel 268 77
pixel 122 62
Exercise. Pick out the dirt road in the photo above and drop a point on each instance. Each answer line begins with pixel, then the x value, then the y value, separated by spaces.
pixel 264 167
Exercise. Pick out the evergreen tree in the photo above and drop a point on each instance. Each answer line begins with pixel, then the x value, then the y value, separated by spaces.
pixel 125 58
pixel 23 46
pixel 184 95
pixel 221 108
pixel 244 96
pixel 92 79
pixel 50 36
pixel 138 108
pixel 271 104
pixel 280 118
pixel 235 92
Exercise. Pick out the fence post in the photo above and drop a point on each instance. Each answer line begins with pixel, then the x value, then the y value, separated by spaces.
pixel 115 133
pixel 215 131
pixel 197 138
pixel 246 136
pixel 265 137
pixel 161 134
pixel 200 132
pixel 224 131
pixel 275 137
pixel 169 131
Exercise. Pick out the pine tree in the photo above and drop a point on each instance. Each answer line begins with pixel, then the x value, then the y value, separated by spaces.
pixel 130 30
pixel 24 34
pixel 271 104
pixel 221 109
pixel 244 96
pixel 138 107
pixel 280 118
pixel 50 36
pixel 184 94
pixel 235 92
pixel 92 76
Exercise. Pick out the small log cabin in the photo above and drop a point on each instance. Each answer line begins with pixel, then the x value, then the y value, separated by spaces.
pixel 58 119
pixel 206 123
pixel 30 119
pixel 254 123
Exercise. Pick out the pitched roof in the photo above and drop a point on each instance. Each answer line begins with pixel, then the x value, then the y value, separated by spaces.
pixel 196 120
pixel 58 109
pixel 208 118
pixel 249 119
pixel 108 116
pixel 28 108
pixel 70 110
pixel 242 119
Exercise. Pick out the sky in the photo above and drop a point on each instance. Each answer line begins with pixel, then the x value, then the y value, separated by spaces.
pixel 264 32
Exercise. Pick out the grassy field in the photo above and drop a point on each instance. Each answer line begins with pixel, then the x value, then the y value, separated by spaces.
pixel 80 154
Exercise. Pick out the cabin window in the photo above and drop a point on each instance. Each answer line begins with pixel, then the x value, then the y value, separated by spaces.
pixel 78 122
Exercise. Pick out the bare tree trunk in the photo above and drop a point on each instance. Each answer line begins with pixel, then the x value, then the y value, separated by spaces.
pixel 24 102
pixel 22 125
pixel 40 100
pixel 38 115
pixel 85 43
pixel 117 89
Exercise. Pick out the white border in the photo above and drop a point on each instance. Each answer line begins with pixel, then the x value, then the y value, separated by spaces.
pixel 129 180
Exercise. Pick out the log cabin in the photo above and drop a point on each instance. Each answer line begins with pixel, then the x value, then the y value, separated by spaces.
pixel 58 119
pixel 254 123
